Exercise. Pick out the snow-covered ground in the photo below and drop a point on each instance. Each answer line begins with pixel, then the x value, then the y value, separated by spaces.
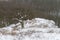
pixel 35 29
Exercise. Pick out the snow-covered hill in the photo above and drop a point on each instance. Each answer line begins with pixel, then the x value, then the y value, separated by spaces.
pixel 35 29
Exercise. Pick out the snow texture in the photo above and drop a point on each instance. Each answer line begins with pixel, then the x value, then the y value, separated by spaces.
pixel 35 29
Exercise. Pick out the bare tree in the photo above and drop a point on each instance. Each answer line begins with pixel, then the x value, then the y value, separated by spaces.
pixel 21 18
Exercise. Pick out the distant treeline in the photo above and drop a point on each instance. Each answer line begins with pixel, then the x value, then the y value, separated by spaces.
pixel 32 8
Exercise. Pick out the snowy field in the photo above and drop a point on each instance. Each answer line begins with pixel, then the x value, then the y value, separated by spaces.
pixel 35 29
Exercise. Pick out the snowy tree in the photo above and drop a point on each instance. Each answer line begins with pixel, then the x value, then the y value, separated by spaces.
pixel 21 17
pixel 21 20
pixel 23 14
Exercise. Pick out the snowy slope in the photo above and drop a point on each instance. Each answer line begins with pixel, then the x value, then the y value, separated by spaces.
pixel 35 29
pixel 40 22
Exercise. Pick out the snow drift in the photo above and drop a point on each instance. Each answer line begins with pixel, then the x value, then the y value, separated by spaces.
pixel 35 29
